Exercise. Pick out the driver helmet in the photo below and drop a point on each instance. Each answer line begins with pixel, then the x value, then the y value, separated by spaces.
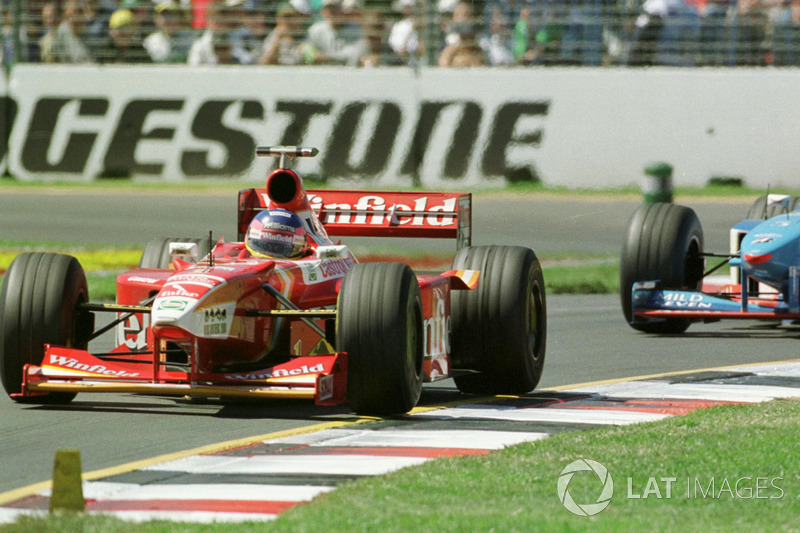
pixel 277 234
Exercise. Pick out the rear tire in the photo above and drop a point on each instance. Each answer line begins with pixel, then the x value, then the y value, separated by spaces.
pixel 156 253
pixel 664 242
pixel 499 329
pixel 39 305
pixel 759 208
pixel 379 325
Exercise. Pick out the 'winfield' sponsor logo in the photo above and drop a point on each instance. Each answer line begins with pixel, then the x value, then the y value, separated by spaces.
pixel 437 328
pixel 63 361
pixel 373 209
pixel 279 373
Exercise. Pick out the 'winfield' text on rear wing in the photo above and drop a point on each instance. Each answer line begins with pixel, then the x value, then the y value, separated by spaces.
pixel 379 213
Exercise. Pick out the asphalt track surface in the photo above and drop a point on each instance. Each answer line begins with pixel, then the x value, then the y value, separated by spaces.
pixel 587 337
pixel 547 223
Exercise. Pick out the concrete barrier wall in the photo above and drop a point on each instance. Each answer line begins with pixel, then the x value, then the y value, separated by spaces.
pixel 399 127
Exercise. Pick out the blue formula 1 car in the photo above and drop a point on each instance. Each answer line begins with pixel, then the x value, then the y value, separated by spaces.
pixel 663 267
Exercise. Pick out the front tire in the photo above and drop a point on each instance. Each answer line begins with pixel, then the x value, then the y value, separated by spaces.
pixel 499 329
pixel 379 325
pixel 40 304
pixel 664 242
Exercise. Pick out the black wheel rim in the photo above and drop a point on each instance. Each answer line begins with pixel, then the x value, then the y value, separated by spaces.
pixel 535 315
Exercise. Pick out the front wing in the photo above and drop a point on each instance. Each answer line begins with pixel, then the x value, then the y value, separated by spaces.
pixel 652 302
pixel 322 378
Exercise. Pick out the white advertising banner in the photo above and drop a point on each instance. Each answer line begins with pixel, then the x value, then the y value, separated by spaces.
pixel 8 113
pixel 439 128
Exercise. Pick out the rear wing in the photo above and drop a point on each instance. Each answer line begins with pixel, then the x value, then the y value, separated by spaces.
pixel 378 213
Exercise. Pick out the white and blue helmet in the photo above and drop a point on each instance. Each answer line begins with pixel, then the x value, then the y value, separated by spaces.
pixel 277 234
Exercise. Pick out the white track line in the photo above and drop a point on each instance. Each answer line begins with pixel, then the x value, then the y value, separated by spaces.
pixel 545 414
pixel 364 465
pixel 466 439
pixel 694 391
pixel 107 491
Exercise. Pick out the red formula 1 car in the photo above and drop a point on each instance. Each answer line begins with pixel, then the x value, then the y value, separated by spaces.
pixel 285 312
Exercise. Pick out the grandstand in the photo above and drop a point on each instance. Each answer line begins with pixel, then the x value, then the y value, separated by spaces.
pixel 406 33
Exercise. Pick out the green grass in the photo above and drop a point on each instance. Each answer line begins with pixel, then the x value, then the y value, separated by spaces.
pixel 564 273
pixel 591 275
pixel 515 489
pixel 91 260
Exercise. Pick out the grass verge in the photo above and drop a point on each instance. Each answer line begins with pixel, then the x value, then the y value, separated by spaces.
pixel 92 260
pixel 720 464
pixel 563 273
pixel 592 275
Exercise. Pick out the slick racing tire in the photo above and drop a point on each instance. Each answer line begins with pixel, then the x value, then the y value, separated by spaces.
pixel 379 325
pixel 499 329
pixel 759 210
pixel 39 305
pixel 156 253
pixel 664 242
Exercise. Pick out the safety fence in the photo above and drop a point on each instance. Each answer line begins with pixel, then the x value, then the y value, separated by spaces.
pixel 410 33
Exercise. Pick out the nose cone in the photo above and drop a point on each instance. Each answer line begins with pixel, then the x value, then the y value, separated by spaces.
pixel 192 303
pixel 180 295
pixel 771 247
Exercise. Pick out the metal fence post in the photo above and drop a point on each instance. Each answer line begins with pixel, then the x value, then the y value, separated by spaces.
pixel 431 33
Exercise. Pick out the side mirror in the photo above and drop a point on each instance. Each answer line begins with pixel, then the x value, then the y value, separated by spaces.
pixel 184 250
pixel 337 251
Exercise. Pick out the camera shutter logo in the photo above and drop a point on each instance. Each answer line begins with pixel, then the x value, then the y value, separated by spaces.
pixel 585 509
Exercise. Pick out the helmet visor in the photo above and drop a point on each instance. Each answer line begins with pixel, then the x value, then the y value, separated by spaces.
pixel 274 243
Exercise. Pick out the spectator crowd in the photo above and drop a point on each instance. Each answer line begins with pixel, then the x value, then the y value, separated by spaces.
pixel 366 33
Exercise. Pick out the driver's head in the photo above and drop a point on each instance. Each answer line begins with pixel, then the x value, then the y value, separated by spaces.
pixel 277 234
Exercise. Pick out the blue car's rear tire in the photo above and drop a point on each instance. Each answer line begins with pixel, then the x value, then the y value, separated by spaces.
pixel 664 242
pixel 379 325
pixel 40 304
pixel 499 329
pixel 759 209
